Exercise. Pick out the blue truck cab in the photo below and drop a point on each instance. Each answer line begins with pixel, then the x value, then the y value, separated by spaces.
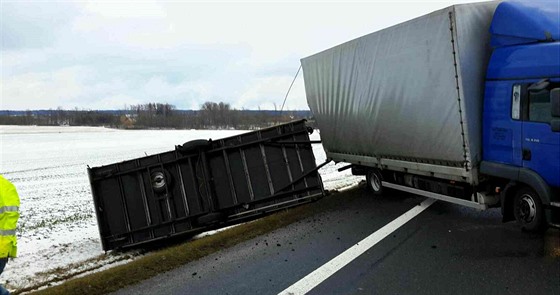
pixel 521 112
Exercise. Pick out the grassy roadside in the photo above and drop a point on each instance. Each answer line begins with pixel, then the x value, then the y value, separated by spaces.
pixel 175 256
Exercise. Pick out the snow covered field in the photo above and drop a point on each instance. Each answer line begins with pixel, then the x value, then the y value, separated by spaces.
pixel 57 235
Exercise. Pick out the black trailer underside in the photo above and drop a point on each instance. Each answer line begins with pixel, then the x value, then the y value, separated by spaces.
pixel 203 183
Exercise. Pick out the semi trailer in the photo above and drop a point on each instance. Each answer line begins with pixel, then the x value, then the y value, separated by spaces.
pixel 460 105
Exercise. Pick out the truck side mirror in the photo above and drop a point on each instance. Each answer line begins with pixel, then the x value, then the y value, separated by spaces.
pixel 555 102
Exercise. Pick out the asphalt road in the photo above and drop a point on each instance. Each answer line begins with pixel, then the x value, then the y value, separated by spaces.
pixel 446 249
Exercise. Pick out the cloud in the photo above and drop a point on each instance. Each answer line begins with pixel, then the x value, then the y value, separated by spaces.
pixel 269 93
pixel 72 88
pixel 44 90
pixel 33 24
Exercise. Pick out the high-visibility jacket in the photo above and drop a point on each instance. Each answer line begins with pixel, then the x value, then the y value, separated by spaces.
pixel 9 214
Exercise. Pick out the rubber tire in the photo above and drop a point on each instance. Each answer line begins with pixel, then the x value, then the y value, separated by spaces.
pixel 536 224
pixel 373 176
pixel 194 145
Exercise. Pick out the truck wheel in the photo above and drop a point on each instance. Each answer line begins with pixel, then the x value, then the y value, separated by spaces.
pixel 528 210
pixel 373 179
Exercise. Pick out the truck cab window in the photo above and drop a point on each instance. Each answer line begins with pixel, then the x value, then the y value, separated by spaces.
pixel 539 106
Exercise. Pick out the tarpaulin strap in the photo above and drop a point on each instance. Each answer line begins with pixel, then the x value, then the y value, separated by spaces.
pixel 297 73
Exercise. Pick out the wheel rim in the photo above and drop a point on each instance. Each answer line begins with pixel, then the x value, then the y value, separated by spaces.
pixel 375 182
pixel 527 208
pixel 158 180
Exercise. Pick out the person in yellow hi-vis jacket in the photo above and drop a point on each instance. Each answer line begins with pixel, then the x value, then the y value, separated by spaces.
pixel 9 214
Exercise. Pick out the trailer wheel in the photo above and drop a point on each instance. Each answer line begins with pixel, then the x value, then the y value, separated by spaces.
pixel 528 210
pixel 193 145
pixel 373 179
pixel 160 179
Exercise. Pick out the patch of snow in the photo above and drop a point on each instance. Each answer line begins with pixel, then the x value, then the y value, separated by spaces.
pixel 213 232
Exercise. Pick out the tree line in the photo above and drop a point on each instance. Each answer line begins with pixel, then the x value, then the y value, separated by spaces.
pixel 211 115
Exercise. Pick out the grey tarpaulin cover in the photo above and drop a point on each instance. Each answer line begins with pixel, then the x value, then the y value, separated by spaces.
pixel 397 94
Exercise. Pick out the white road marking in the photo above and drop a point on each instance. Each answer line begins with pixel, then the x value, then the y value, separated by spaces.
pixel 328 269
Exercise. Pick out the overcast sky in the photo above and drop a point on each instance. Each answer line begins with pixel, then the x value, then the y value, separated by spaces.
pixel 107 55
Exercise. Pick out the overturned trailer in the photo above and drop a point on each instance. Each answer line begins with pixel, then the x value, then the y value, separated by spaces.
pixel 204 183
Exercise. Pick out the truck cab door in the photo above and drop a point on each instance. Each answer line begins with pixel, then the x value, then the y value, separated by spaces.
pixel 541 139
